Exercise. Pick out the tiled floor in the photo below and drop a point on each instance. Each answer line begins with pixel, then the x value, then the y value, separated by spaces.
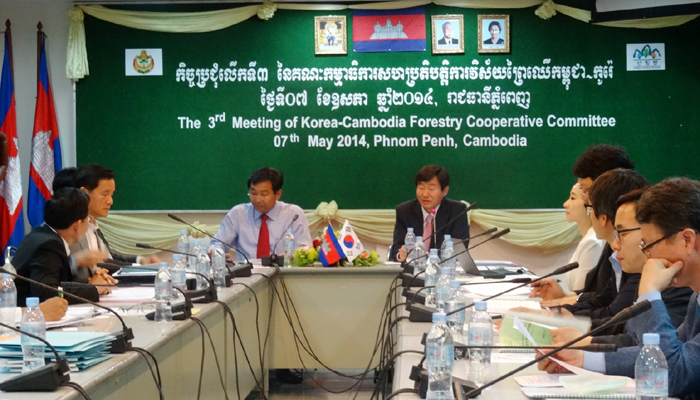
pixel 310 389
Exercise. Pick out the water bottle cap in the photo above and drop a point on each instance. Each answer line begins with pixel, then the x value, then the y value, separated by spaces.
pixel 183 231
pixel 177 257
pixel 650 338
pixel 163 265
pixel 449 243
pixel 6 276
pixel 448 237
pixel 445 270
pixel 289 230
pixel 410 229
pixel 455 284
pixel 433 251
pixel 439 317
pixel 419 239
pixel 32 301
pixel 480 306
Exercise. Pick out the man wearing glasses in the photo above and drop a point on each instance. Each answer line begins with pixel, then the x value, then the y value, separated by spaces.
pixel 257 228
pixel 669 216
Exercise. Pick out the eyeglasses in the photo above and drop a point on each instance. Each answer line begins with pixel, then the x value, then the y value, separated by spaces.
pixel 260 195
pixel 588 208
pixel 617 233
pixel 646 247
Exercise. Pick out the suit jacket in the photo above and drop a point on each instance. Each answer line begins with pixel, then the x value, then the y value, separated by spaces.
pixel 625 297
pixel 676 302
pixel 409 215
pixel 42 256
pixel 598 278
pixel 83 274
pixel 444 42
pixel 680 346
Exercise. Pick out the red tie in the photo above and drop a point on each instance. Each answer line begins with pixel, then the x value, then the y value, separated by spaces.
pixel 263 238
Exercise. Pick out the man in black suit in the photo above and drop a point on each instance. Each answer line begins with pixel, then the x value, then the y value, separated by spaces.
pixel 43 254
pixel 430 209
pixel 447 33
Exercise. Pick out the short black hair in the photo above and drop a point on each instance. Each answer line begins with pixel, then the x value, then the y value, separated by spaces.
pixel 608 187
pixel 631 197
pixel 269 174
pixel 66 206
pixel 64 178
pixel 600 158
pixel 430 171
pixel 90 175
pixel 495 23
pixel 672 205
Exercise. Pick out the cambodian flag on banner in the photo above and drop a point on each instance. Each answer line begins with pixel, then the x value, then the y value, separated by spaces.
pixel 46 146
pixel 11 218
pixel 330 248
pixel 389 30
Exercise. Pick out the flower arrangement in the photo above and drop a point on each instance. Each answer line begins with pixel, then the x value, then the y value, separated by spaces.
pixel 308 256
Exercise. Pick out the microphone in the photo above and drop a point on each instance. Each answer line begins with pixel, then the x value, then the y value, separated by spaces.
pixel 593 348
pixel 560 270
pixel 458 216
pixel 621 317
pixel 496 236
pixel 274 259
pixel 196 296
pixel 46 378
pixel 122 341
pixel 248 266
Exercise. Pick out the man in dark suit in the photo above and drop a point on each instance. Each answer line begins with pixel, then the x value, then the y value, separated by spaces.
pixel 447 35
pixel 669 217
pixel 430 209
pixel 43 254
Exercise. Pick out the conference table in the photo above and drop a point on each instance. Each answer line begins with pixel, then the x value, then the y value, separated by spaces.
pixel 338 309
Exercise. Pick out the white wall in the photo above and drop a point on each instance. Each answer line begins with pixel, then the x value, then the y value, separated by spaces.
pixel 53 14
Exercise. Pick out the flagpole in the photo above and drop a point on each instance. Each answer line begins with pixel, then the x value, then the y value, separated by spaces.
pixel 8 37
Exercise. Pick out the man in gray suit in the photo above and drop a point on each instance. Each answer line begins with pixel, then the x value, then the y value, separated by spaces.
pixel 669 217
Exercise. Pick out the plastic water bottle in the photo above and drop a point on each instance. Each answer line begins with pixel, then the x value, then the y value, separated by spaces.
pixel 178 272
pixel 33 322
pixel 203 266
pixel 288 248
pixel 8 304
pixel 183 242
pixel 480 333
pixel 164 291
pixel 218 265
pixel 651 370
pixel 456 321
pixel 442 290
pixel 444 245
pixel 432 274
pixel 439 359
pixel 446 255
pixel 420 261
pixel 196 249
pixel 410 244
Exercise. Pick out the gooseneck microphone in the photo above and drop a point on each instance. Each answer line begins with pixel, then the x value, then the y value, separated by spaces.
pixel 122 341
pixel 46 378
pixel 623 316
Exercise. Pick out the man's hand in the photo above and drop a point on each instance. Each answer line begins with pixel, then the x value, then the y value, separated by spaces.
pixel 152 259
pixel 547 289
pixel 102 278
pixel 572 357
pixel 89 258
pixel 658 274
pixel 401 255
pixel 568 300
pixel 567 334
pixel 54 308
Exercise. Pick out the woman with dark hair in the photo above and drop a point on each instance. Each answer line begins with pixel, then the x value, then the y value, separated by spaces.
pixel 495 30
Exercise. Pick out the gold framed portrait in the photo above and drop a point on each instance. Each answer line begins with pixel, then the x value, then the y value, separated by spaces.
pixel 447 34
pixel 493 33
pixel 331 35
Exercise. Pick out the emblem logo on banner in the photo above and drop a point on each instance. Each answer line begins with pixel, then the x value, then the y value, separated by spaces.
pixel 142 62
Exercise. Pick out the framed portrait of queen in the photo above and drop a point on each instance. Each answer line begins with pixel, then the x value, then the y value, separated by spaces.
pixel 494 34
pixel 331 35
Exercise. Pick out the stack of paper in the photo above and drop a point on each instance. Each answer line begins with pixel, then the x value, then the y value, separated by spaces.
pixel 81 349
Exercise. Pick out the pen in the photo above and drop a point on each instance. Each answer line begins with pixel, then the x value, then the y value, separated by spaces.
pixel 60 292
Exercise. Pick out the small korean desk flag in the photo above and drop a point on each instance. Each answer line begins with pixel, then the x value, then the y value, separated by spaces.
pixel 349 242
pixel 331 251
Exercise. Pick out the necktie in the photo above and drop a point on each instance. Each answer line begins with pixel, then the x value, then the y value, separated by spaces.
pixel 263 238
pixel 428 230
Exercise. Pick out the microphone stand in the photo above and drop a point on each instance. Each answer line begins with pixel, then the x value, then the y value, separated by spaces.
pixel 46 378
pixel 122 341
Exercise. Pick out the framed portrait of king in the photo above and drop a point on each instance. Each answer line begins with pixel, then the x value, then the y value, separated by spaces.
pixel 448 34
pixel 493 34
pixel 331 35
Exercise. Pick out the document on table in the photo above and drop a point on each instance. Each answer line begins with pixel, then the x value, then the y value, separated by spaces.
pixel 128 295
pixel 542 380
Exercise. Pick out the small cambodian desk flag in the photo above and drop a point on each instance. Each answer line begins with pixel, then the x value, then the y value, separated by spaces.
pixel 46 146
pixel 11 218
pixel 349 242
pixel 331 251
